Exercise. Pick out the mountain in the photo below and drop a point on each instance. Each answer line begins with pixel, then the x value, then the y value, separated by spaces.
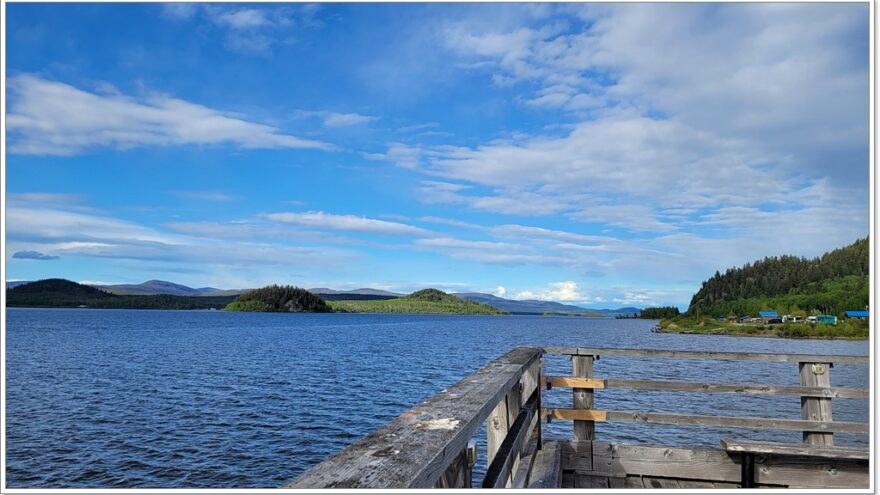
pixel 60 293
pixel 155 287
pixel 151 287
pixel 54 292
pixel 532 306
pixel 363 292
pixel 16 283
pixel 832 283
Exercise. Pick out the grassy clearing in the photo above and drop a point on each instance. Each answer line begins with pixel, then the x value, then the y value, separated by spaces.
pixel 429 301
pixel 845 329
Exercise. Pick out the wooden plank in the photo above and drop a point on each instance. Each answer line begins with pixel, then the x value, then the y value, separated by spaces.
pixel 695 484
pixel 414 450
pixel 719 467
pixel 547 469
pixel 574 382
pixel 499 473
pixel 575 414
pixel 706 355
pixel 582 398
pixel 815 374
pixel 577 456
pixel 679 386
pixel 526 461
pixel 793 449
pixel 701 420
pixel 590 481
pixel 806 472
pixel 660 482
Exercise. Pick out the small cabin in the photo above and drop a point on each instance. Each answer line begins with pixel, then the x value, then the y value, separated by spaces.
pixel 791 319
pixel 769 317
pixel 861 315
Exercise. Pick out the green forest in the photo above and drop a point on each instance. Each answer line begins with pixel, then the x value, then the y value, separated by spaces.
pixel 279 298
pixel 832 283
pixel 659 313
pixel 61 293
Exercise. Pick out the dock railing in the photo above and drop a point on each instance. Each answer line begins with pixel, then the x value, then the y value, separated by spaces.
pixel 428 446
pixel 815 423
pixel 431 445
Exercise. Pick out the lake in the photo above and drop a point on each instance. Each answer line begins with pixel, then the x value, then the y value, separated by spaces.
pixel 178 399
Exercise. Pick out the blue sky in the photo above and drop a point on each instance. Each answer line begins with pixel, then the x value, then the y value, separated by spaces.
pixel 603 155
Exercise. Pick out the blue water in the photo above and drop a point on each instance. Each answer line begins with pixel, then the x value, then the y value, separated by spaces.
pixel 126 399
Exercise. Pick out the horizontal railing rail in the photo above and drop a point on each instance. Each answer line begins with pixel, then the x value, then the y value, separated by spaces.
pixel 710 388
pixel 706 355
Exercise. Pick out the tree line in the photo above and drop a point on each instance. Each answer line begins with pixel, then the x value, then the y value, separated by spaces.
pixel 832 283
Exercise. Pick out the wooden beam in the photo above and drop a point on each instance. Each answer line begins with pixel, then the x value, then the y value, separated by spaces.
pixel 739 388
pixel 815 374
pixel 757 423
pixel 574 382
pixel 576 415
pixel 793 449
pixel 706 355
pixel 414 450
pixel 582 398
pixel 547 469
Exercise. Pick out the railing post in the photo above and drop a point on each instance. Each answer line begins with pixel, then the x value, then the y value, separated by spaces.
pixel 816 408
pixel 582 367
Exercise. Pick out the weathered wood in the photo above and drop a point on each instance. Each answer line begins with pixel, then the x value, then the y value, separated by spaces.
pixel 756 389
pixel 547 469
pixel 590 481
pixel 660 482
pixel 578 415
pixel 414 450
pixel 499 422
pixel 458 475
pixel 793 449
pixel 499 473
pixel 713 466
pixel 701 420
pixel 582 398
pixel 816 374
pixel 705 355
pixel 577 456
pixel 526 461
pixel 573 382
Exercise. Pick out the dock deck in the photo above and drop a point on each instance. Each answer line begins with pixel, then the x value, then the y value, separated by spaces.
pixel 431 445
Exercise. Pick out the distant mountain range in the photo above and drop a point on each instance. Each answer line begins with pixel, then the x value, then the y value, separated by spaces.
pixel 534 306
pixel 530 306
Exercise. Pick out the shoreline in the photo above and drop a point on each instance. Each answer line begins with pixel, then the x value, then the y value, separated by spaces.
pixel 760 334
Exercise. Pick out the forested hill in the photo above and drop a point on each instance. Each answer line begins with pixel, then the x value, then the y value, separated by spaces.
pixel 832 283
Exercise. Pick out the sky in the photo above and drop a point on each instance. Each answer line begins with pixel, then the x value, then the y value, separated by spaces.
pixel 604 155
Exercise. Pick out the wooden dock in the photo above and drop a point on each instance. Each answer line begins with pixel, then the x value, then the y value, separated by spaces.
pixel 431 445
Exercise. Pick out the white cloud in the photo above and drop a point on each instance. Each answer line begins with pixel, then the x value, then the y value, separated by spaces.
pixel 567 291
pixel 53 118
pixel 354 223
pixel 500 291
